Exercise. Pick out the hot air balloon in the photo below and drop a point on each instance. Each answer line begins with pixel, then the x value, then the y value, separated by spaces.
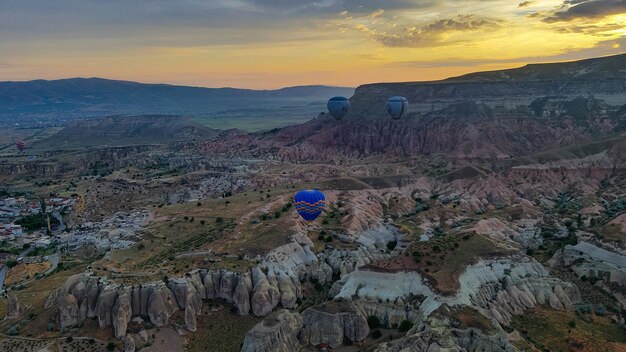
pixel 396 107
pixel 309 204
pixel 338 107
pixel 21 145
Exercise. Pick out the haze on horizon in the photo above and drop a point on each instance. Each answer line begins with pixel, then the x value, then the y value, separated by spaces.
pixel 277 43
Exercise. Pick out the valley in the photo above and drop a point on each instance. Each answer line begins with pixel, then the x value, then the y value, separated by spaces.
pixel 465 226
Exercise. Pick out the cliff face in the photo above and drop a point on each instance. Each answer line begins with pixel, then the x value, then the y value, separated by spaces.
pixel 477 136
pixel 603 78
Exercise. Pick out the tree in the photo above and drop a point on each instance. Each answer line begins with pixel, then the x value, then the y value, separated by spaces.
pixel 405 326
pixel 373 322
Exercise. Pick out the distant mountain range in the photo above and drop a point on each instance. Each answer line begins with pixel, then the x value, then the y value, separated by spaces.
pixel 84 97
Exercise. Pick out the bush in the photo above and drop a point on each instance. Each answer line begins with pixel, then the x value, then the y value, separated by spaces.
pixel 199 204
pixel 202 222
pixel 572 324
pixel 12 331
pixel 11 263
pixel 391 245
pixel 263 217
pixel 436 249
pixel 600 310
pixel 69 339
pixel 110 346
pixel 373 322
pixel 376 334
pixel 329 238
pixel 219 219
pixel 405 326
pixel 277 214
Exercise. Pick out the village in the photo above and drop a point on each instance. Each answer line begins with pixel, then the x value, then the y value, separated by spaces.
pixel 34 236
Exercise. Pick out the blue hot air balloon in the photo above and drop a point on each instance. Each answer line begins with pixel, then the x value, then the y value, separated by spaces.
pixel 396 107
pixel 338 107
pixel 309 203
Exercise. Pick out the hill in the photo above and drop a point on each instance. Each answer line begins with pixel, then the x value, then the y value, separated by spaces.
pixel 127 130
pixel 603 78
pixel 85 97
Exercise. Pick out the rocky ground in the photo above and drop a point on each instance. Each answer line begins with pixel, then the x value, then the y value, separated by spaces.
pixel 469 228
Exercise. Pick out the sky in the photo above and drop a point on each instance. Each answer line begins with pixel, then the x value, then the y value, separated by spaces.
pixel 276 43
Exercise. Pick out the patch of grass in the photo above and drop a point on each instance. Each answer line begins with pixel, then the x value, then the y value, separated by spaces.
pixel 561 331
pixel 220 331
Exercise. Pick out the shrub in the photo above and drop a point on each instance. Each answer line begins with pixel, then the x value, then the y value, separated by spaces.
pixel 373 322
pixel 277 214
pixel 391 245
pixel 12 331
pixel 219 220
pixel 600 310
pixel 376 334
pixel 110 346
pixel 572 324
pixel 69 339
pixel 329 238
pixel 405 326
pixel 436 249
pixel 263 217
pixel 199 204
pixel 202 222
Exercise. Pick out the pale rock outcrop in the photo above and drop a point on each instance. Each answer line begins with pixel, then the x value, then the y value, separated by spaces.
pixel 287 295
pixel 68 311
pixel 226 286
pixel 129 344
pixel 104 305
pixel 185 293
pixel 276 333
pixel 190 318
pixel 122 313
pixel 241 296
pixel 161 304
pixel 591 260
pixel 333 323
pixel 265 297
pixel 195 277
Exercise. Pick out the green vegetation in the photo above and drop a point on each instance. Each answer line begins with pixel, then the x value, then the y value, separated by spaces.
pixel 376 334
pixel 554 330
pixel 405 326
pixel 373 322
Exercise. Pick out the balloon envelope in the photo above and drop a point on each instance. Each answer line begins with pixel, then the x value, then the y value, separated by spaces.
pixel 20 145
pixel 309 203
pixel 338 107
pixel 397 106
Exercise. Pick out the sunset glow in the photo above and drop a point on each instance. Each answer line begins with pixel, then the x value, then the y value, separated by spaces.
pixel 269 44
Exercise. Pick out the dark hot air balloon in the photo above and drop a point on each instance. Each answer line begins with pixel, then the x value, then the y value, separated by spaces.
pixel 21 145
pixel 309 203
pixel 396 107
pixel 338 107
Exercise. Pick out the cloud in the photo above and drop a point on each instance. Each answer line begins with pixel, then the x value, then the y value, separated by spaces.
pixel 525 3
pixel 437 33
pixel 586 9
